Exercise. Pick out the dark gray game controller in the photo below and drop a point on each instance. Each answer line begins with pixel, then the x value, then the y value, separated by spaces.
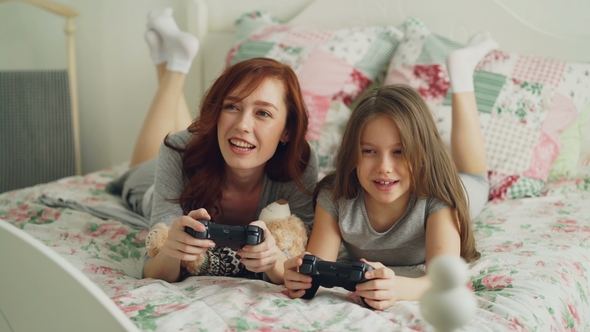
pixel 234 237
pixel 332 274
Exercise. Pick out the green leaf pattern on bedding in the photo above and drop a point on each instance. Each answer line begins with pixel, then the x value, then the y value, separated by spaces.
pixel 533 274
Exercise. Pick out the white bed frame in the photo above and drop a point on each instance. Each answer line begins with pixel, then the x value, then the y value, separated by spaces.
pixel 68 13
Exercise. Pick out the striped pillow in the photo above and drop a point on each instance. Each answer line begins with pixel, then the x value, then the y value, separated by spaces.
pixel 524 103
pixel 332 65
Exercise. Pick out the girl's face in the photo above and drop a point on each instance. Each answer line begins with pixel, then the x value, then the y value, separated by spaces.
pixel 249 130
pixel 382 169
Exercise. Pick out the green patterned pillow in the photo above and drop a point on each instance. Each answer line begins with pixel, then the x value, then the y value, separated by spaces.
pixel 524 102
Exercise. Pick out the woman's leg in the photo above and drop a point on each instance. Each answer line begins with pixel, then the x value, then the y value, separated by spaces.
pixel 162 118
pixel 172 51
pixel 467 145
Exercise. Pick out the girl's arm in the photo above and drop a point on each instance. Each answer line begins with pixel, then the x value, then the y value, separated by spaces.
pixel 385 288
pixel 324 242
pixel 325 237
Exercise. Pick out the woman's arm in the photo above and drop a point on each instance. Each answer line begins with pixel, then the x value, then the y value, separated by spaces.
pixel 264 257
pixel 385 288
pixel 179 246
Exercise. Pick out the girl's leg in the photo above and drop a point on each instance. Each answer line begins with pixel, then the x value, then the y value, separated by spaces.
pixel 172 51
pixel 467 145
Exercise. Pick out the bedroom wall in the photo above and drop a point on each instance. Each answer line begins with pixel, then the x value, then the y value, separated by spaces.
pixel 115 74
pixel 116 79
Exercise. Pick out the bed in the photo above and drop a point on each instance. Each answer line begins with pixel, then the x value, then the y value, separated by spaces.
pixel 534 234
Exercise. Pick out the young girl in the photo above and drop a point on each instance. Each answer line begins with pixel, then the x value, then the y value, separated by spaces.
pixel 245 150
pixel 397 196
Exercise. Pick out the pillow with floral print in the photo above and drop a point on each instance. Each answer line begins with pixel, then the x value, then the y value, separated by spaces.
pixel 332 65
pixel 524 102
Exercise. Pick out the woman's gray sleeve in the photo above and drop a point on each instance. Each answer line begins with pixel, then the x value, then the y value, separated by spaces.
pixel 168 185
pixel 300 202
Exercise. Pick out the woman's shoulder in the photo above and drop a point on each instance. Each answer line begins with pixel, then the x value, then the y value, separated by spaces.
pixel 180 139
pixel 312 165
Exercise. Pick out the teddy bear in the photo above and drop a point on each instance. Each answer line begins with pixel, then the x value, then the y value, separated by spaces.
pixel 289 231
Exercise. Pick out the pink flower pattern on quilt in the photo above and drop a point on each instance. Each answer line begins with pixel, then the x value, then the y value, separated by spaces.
pixel 499 184
pixel 553 256
pixel 434 82
pixel 544 154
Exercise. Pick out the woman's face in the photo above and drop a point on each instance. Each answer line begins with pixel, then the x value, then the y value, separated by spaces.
pixel 249 130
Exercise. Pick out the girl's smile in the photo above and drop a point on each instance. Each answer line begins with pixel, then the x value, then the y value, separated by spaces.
pixel 382 169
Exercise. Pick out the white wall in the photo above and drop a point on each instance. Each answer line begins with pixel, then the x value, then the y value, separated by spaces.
pixel 116 78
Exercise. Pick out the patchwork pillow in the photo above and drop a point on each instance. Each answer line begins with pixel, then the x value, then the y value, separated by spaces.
pixel 524 103
pixel 582 168
pixel 331 137
pixel 332 65
pixel 576 149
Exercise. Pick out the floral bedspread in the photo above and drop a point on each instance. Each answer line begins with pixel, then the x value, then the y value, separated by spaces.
pixel 533 274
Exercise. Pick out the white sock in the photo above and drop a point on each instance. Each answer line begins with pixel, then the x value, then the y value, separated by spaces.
pixel 156 46
pixel 179 47
pixel 461 63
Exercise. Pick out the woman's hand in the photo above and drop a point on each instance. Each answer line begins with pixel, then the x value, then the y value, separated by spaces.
pixel 179 246
pixel 263 256
pixel 380 292
pixel 183 246
pixel 296 282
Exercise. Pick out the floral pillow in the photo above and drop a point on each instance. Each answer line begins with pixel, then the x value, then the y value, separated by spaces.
pixel 574 158
pixel 524 102
pixel 332 65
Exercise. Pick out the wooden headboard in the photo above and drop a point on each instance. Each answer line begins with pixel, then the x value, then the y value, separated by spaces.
pixel 68 13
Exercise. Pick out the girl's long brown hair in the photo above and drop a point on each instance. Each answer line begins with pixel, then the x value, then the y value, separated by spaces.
pixel 204 166
pixel 432 170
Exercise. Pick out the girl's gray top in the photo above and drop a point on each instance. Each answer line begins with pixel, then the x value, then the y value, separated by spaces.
pixel 169 183
pixel 404 244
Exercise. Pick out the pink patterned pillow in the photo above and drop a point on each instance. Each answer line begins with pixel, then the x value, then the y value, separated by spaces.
pixel 332 65
pixel 524 103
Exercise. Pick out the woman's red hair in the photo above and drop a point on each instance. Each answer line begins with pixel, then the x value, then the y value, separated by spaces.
pixel 203 164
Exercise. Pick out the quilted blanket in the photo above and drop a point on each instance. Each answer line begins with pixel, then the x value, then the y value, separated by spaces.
pixel 532 276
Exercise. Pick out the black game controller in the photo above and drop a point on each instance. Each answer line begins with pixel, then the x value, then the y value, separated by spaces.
pixel 332 274
pixel 234 237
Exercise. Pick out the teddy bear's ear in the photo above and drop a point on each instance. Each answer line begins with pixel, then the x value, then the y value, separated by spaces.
pixel 275 210
pixel 156 239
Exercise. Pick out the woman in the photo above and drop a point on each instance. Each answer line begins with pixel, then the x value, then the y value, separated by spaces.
pixel 245 150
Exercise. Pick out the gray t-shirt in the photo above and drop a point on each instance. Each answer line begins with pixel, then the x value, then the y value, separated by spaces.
pixel 404 244
pixel 169 183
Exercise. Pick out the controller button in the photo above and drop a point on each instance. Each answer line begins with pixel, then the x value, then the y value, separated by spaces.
pixel 356 275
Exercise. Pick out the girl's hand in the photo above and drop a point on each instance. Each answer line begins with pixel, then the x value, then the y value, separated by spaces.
pixel 182 245
pixel 380 292
pixel 261 257
pixel 296 282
